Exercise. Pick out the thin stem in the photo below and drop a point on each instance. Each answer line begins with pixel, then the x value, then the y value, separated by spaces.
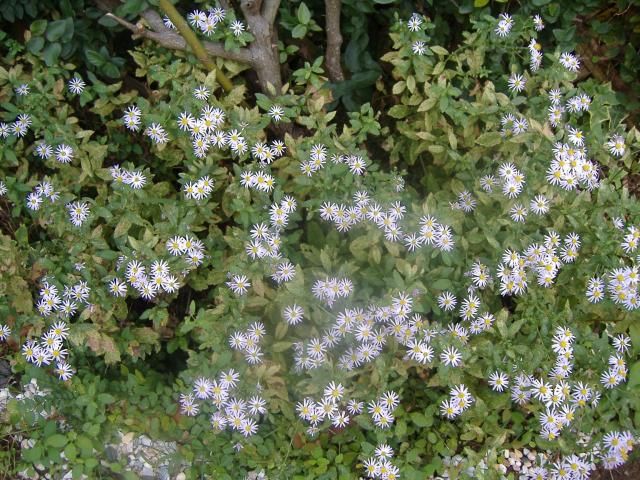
pixel 190 37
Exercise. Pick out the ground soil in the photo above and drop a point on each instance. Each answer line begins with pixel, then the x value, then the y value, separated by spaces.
pixel 629 471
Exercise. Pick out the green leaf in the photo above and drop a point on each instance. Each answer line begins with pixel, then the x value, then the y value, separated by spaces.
pixel 71 452
pixel 634 375
pixel 304 15
pixel 439 50
pixel 56 30
pixel 480 3
pixel 94 57
pixel 51 53
pixel 398 111
pixel 420 420
pixel 38 27
pixel 489 139
pixel 85 445
pixel 299 31
pixel 111 70
pixel 56 440
pixel 280 346
pixel 35 44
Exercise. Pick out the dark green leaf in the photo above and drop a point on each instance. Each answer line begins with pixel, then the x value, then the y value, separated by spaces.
pixel 35 44
pixel 38 27
pixel 51 53
pixel 56 29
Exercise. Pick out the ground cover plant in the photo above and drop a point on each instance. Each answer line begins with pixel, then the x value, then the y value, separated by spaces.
pixel 290 281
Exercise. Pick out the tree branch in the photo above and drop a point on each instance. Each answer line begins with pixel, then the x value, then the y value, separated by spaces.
pixel 261 54
pixel 250 7
pixel 155 21
pixel 191 38
pixel 270 10
pixel 264 49
pixel 334 40
pixel 170 39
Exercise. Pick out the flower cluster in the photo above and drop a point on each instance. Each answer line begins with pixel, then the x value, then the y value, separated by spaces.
pixel 207 22
pixel 570 167
pixel 132 118
pixel 505 24
pixel 330 289
pixel 560 395
pixel 192 249
pixel 43 189
pixel 265 239
pixel 346 216
pixel 248 342
pixel 19 127
pixel 414 25
pixel 512 125
pixel 579 103
pixel 156 133
pixel 159 278
pixel 50 350
pixel 618 446
pixel 199 189
pixel 63 153
pixel 266 154
pixel 535 52
pixel 380 466
pixel 257 180
pixel 544 260
pixel 459 400
pixel 51 304
pixel 465 202
pixel 226 410
pixel 337 411
pixel 570 61
pixel 135 179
